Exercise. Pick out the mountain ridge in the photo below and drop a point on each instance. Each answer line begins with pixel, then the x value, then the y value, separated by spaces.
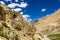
pixel 45 22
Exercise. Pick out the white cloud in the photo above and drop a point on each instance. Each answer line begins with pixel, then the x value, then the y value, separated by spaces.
pixel 29 19
pixel 21 13
pixel 17 9
pixel 26 17
pixel 43 10
pixel 2 2
pixel 22 5
pixel 12 5
pixel 16 0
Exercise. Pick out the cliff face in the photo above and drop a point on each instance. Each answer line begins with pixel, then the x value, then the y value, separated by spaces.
pixel 13 27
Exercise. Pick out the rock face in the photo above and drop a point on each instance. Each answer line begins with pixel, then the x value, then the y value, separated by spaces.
pixel 49 24
pixel 13 27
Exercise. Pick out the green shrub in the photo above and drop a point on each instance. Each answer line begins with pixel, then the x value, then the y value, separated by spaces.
pixel 1 7
pixel 1 28
pixel 5 25
pixel 33 38
pixel 54 36
pixel 3 34
pixel 39 39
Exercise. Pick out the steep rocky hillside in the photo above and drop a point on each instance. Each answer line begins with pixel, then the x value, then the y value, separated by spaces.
pixel 13 27
pixel 49 24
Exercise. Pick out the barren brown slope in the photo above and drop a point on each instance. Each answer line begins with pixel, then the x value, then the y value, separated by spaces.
pixel 48 24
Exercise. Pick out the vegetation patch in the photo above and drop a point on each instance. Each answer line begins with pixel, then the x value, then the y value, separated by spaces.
pixel 54 36
pixel 1 7
pixel 39 39
pixel 5 25
pixel 3 34
pixel 33 38
pixel 1 28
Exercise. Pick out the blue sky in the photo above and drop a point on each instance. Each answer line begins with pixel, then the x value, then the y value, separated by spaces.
pixel 33 9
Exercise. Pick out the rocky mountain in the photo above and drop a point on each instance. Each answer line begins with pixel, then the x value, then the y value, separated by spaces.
pixel 49 24
pixel 13 27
